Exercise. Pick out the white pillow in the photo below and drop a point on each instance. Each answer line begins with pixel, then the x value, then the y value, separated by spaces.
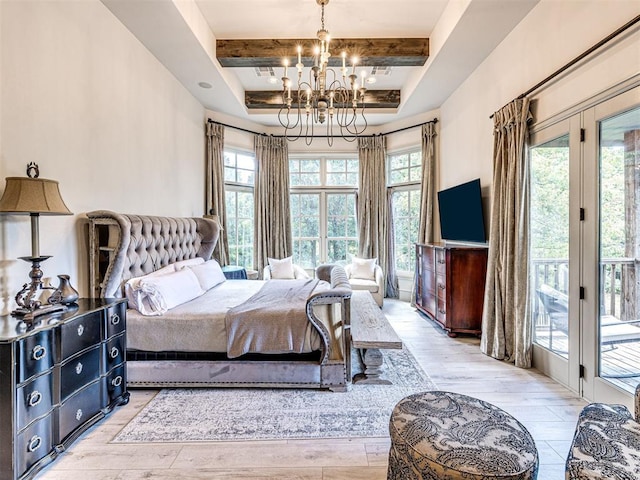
pixel 209 274
pixel 133 283
pixel 363 268
pixel 282 269
pixel 157 294
pixel 188 263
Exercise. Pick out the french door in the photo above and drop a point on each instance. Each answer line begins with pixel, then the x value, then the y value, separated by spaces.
pixel 585 248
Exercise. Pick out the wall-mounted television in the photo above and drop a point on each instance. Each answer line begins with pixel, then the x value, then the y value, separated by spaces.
pixel 461 217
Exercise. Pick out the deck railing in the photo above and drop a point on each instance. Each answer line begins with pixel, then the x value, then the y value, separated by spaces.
pixel 618 290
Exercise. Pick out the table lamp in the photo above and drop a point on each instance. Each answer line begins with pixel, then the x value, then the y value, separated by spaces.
pixel 34 196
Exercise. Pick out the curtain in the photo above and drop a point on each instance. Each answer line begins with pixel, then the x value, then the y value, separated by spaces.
pixel 427 191
pixel 372 210
pixel 272 210
pixel 215 187
pixel 391 289
pixel 506 323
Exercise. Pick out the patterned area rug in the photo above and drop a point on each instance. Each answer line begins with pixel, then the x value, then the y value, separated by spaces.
pixel 192 415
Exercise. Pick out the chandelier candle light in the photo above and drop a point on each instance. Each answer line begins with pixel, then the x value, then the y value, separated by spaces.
pixel 324 98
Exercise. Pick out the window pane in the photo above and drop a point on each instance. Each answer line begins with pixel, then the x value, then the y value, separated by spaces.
pixel 245 176
pixel 415 159
pixel 406 213
pixel 415 174
pixel 229 174
pixel 309 165
pixel 353 165
pixel 245 205
pixel 399 161
pixel 245 162
pixel 335 165
pixel 309 179
pixel 336 178
pixel 306 253
pixel 399 176
pixel 229 159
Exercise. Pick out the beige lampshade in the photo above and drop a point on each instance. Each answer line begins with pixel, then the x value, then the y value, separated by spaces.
pixel 32 195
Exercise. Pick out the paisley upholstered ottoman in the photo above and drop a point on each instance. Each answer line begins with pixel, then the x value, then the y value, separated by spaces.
pixel 447 436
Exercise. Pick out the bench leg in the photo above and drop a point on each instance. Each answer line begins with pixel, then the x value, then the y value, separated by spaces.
pixel 373 367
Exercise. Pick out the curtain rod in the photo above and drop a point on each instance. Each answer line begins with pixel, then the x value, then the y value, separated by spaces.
pixel 584 54
pixel 434 121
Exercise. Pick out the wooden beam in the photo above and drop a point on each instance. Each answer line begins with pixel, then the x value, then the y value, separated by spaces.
pixel 272 100
pixel 378 52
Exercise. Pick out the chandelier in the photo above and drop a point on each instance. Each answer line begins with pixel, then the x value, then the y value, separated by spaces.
pixel 326 100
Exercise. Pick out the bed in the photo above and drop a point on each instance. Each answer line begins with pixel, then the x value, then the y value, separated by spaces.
pixel 189 345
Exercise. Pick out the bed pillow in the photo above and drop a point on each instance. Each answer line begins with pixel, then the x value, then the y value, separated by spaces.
pixel 155 295
pixel 188 263
pixel 132 283
pixel 209 274
pixel 282 269
pixel 363 268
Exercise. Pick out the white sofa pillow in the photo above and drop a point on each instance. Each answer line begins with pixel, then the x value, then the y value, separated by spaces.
pixel 282 269
pixel 155 295
pixel 209 274
pixel 363 268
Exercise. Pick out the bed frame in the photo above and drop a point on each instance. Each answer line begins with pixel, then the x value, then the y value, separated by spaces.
pixel 125 246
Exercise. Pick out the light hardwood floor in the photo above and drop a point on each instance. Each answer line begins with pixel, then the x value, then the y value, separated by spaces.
pixel 548 410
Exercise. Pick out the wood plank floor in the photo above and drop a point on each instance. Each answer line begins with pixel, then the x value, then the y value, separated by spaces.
pixel 547 409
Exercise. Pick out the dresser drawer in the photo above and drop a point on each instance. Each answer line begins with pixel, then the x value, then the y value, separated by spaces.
pixel 441 260
pixel 114 352
pixel 78 408
pixel 79 371
pixel 114 385
pixel 79 334
pixel 33 444
pixel 34 399
pixel 428 258
pixel 35 355
pixel 114 317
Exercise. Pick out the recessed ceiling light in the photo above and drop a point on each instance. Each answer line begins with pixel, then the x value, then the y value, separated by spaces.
pixel 205 84
pixel 272 80
pixel 371 80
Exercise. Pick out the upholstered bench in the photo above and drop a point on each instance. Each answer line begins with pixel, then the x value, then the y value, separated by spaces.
pixel 606 443
pixel 444 435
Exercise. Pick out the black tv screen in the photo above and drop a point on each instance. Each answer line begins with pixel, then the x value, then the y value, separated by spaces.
pixel 461 217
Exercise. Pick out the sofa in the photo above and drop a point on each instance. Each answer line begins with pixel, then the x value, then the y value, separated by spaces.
pixel 606 443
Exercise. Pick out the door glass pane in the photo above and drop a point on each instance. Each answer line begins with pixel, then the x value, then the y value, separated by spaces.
pixel 305 229
pixel 549 244
pixel 620 249
pixel 341 232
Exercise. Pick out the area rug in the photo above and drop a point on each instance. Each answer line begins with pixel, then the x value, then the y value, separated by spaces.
pixel 226 414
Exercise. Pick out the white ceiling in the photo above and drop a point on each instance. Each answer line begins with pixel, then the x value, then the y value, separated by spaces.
pixel 182 34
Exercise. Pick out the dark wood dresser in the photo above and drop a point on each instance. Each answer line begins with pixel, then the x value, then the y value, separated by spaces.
pixel 57 378
pixel 450 284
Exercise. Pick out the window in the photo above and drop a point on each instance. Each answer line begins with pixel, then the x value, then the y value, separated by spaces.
pixel 323 209
pixel 239 177
pixel 404 179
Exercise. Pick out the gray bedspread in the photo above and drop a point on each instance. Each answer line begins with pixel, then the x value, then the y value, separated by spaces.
pixel 273 320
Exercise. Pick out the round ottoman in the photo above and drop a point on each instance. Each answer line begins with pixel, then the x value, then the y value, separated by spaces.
pixel 447 436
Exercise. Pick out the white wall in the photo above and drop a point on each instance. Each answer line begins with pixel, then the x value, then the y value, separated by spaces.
pixel 555 32
pixel 85 100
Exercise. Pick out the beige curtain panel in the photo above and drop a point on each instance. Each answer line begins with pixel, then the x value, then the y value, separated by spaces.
pixel 215 187
pixel 506 323
pixel 372 200
pixel 272 208
pixel 427 192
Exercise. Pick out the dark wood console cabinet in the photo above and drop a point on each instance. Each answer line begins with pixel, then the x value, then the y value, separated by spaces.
pixel 58 377
pixel 450 284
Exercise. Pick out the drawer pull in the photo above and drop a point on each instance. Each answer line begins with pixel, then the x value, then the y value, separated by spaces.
pixel 38 352
pixel 116 382
pixel 80 330
pixel 79 368
pixel 34 398
pixel 115 319
pixel 34 443
pixel 441 287
pixel 441 262
pixel 78 414
pixel 441 311
pixel 114 352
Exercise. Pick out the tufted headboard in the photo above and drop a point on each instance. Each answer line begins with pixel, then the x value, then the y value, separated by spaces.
pixel 140 244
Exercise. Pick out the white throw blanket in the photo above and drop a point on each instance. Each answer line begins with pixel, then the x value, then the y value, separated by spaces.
pixel 272 321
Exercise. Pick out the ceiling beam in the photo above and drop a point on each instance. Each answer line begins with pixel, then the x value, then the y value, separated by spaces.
pixel 272 100
pixel 379 52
